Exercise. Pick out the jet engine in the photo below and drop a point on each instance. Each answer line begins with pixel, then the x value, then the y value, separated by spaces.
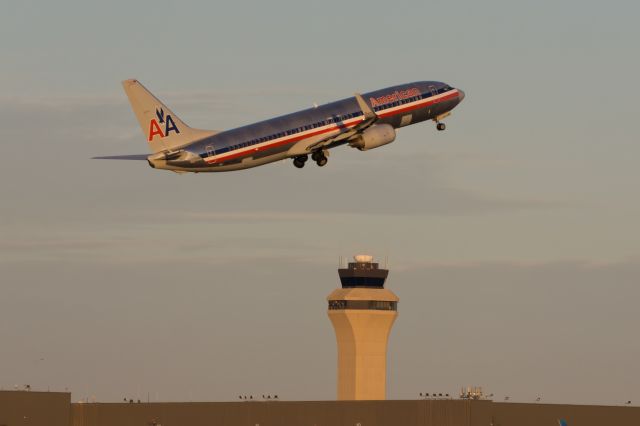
pixel 374 137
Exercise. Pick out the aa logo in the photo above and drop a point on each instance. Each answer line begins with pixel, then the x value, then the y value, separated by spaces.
pixel 156 130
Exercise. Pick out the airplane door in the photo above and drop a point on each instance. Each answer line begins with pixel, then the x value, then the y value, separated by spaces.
pixel 433 90
pixel 210 150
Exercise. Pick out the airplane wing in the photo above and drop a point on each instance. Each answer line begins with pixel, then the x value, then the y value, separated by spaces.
pixel 122 157
pixel 370 117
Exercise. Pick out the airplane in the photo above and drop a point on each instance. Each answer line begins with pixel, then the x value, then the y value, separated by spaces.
pixel 363 122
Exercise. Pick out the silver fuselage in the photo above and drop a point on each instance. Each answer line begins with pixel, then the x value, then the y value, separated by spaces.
pixel 290 135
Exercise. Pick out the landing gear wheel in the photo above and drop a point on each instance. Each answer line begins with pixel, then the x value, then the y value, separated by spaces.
pixel 299 161
pixel 321 161
pixel 441 126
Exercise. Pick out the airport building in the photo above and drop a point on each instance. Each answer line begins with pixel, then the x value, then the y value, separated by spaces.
pixel 55 409
pixel 362 312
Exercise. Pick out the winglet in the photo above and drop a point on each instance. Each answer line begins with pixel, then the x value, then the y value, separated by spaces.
pixel 369 114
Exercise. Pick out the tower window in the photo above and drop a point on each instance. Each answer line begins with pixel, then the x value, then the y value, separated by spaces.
pixel 371 305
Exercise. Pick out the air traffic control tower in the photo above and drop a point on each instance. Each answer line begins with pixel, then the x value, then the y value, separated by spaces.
pixel 362 313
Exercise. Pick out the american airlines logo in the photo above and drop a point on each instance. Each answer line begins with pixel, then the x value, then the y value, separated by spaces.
pixel 156 130
pixel 398 95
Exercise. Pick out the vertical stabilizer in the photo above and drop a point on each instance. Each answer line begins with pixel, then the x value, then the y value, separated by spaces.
pixel 163 129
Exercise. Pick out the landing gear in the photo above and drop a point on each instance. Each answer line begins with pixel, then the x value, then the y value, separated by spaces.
pixel 322 161
pixel 439 124
pixel 320 158
pixel 299 161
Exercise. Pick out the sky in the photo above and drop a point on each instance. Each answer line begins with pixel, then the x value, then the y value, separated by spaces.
pixel 512 237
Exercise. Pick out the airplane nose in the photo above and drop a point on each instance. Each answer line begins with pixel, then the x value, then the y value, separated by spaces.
pixel 460 95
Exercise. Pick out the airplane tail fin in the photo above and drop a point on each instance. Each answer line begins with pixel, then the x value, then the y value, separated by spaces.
pixel 162 128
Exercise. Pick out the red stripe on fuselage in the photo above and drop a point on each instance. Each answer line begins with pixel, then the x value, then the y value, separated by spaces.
pixel 293 139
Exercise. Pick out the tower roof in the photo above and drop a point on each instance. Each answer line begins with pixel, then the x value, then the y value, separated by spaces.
pixel 364 272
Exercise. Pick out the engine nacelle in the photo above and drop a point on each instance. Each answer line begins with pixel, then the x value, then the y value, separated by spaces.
pixel 374 137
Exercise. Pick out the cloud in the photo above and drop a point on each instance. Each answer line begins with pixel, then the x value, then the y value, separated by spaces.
pixel 71 130
pixel 258 216
pixel 58 244
pixel 584 265
pixel 63 201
